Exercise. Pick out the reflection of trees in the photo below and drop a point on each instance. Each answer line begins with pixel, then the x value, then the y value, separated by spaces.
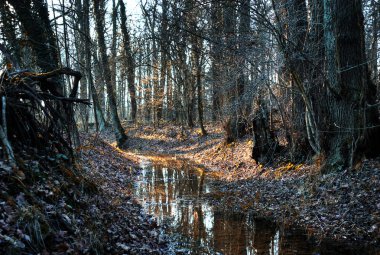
pixel 171 192
pixel 163 186
pixel 229 233
pixel 199 226
pixel 157 189
pixel 293 242
pixel 263 236
pixel 202 179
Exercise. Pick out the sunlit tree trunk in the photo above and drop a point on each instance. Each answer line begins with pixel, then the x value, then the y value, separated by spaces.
pixel 200 97
pixel 169 96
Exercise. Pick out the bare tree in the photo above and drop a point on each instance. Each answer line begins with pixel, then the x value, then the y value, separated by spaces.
pixel 120 135
pixel 129 60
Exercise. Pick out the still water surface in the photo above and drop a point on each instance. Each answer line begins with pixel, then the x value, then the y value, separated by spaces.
pixel 173 194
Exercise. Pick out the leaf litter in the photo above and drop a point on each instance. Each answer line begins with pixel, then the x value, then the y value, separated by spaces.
pixel 87 208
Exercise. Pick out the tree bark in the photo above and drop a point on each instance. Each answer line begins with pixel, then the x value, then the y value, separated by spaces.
pixel 200 100
pixel 197 42
pixel 130 63
pixel 9 32
pixel 215 57
pixel 265 141
pixel 348 88
pixel 80 39
pixel 98 113
pixel 120 135
pixel 39 31
pixel 164 52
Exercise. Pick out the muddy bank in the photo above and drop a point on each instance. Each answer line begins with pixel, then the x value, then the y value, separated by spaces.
pixel 342 206
pixel 52 207
pixel 126 227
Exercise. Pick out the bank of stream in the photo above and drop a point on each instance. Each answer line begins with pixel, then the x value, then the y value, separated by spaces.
pixel 176 194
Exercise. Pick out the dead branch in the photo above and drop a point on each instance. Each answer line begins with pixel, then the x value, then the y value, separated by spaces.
pixel 37 113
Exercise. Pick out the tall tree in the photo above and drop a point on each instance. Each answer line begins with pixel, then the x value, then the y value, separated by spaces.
pixel 80 40
pixel 189 77
pixel 98 112
pixel 196 55
pixel 164 43
pixel 349 89
pixel 148 86
pixel 8 30
pixel 120 135
pixel 129 60
pixel 35 22
pixel 215 56
pixel 374 47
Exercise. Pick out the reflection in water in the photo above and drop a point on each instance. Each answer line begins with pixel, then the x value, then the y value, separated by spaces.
pixel 263 237
pixel 174 196
pixel 294 244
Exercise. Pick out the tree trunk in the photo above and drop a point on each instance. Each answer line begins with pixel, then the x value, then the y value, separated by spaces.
pixel 130 63
pixel 112 57
pixel 99 20
pixel 169 96
pixel 265 141
pixel 34 18
pixel 216 59
pixel 148 87
pixel 348 88
pixel 9 32
pixel 230 78
pixel 156 83
pixel 98 113
pixel 200 99
pixel 81 54
pixel 197 42
pixel 374 42
pixel 164 52
pixel 37 27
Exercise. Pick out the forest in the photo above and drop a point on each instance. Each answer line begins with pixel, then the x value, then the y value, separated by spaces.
pixel 189 127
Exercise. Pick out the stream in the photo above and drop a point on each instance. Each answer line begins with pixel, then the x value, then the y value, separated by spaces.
pixel 173 194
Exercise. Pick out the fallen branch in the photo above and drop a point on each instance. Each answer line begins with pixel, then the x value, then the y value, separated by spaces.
pixel 37 112
pixel 44 77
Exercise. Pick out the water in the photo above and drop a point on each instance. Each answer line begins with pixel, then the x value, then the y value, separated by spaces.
pixel 173 194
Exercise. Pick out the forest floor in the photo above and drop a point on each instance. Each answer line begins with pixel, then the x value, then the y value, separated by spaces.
pixel 342 206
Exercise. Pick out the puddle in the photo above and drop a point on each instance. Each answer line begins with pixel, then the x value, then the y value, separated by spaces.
pixel 173 194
